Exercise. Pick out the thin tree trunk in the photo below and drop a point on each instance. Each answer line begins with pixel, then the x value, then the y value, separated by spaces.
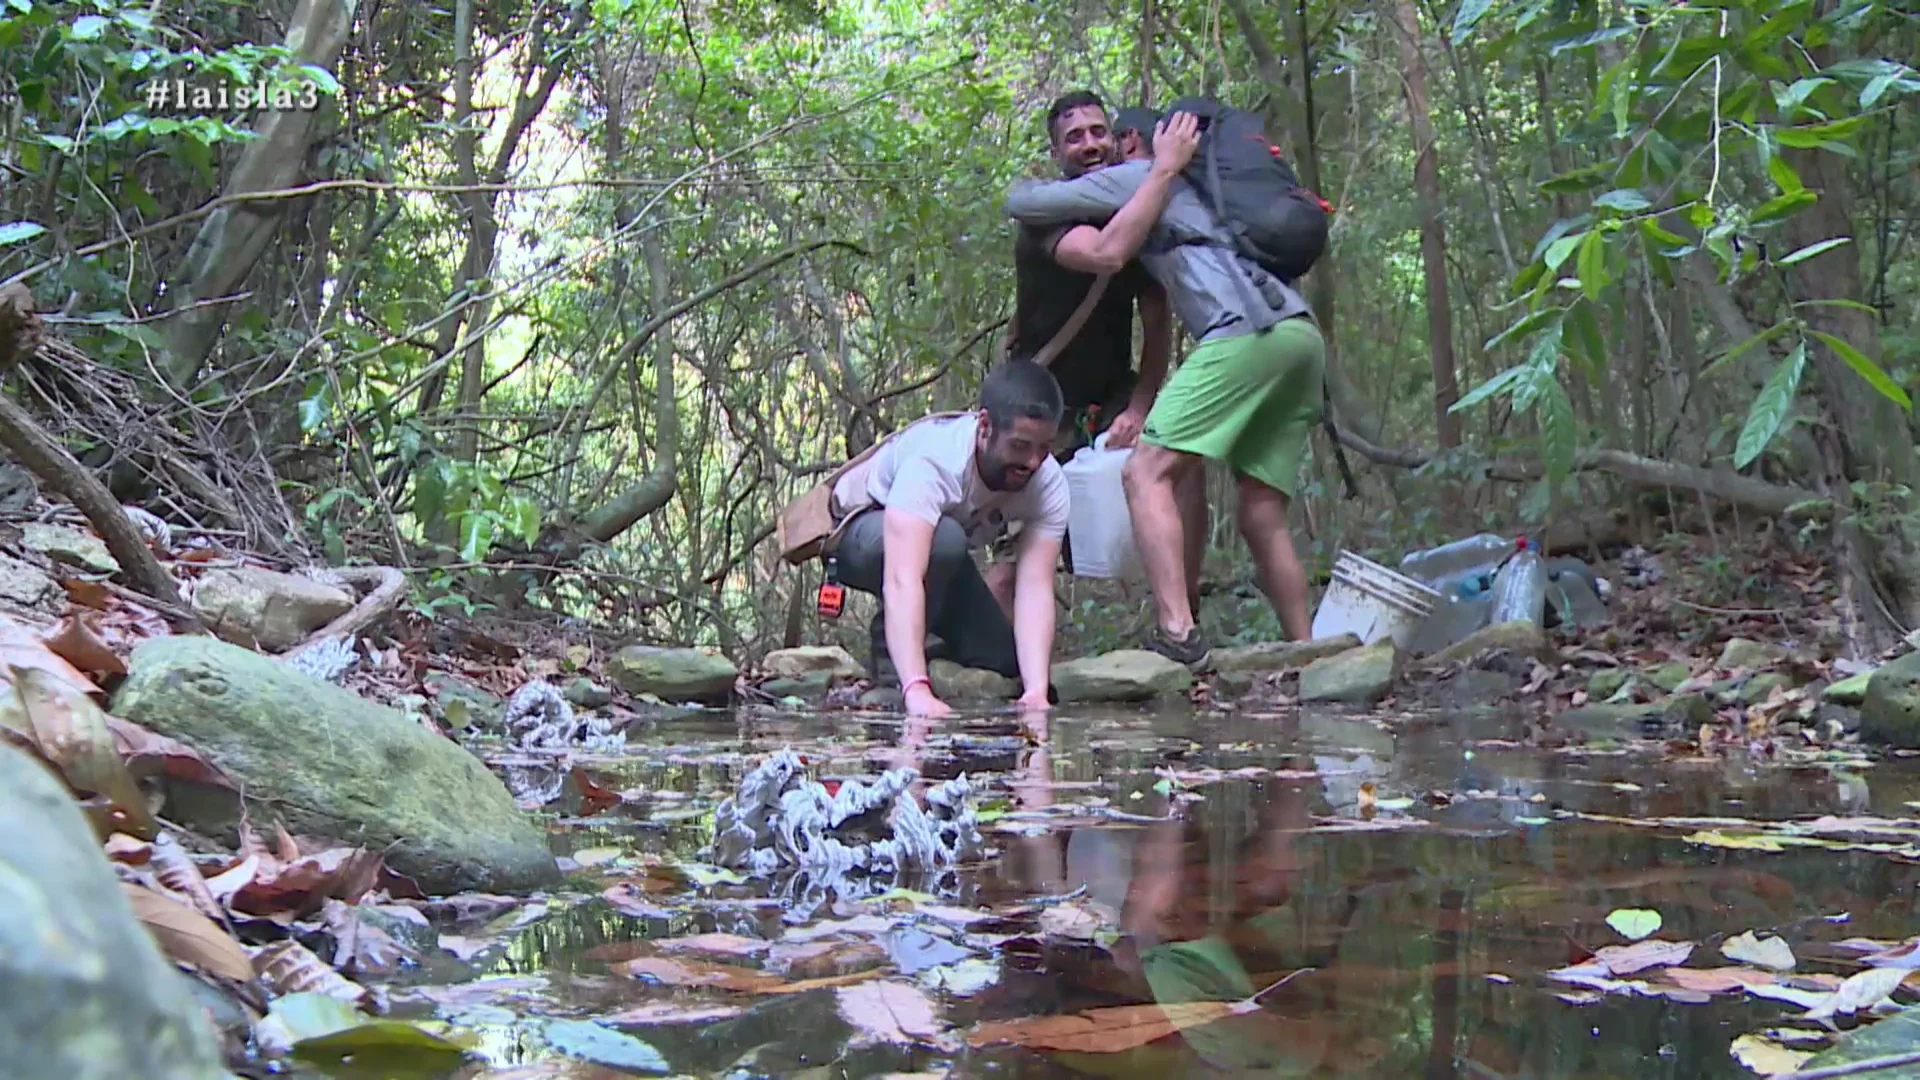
pixel 652 490
pixel 1433 237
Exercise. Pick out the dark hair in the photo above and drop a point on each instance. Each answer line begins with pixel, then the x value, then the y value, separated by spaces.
pixel 1017 389
pixel 1066 103
pixel 1138 118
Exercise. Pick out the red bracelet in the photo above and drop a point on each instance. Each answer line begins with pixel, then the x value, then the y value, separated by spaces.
pixel 910 683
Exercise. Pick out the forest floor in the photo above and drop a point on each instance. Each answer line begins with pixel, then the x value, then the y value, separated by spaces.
pixel 1526 863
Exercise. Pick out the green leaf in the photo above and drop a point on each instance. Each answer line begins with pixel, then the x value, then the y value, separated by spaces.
pixel 526 519
pixel 1498 384
pixel 476 536
pixel 430 490
pixel 1811 250
pixel 313 411
pixel 1527 325
pixel 1625 200
pixel 321 78
pixel 1593 266
pixel 1468 17
pixel 1591 37
pixel 1558 251
pixel 1784 175
pixel 1781 206
pixel 1770 408
pixel 395 1047
pixel 87 27
pixel 140 332
pixel 1867 370
pixel 1789 98
pixel 1700 216
pixel 1586 336
pixel 1876 90
pixel 1735 352
pixel 1807 136
pixel 1574 181
pixel 1556 432
pixel 1559 229
pixel 1852 305
pixel 1634 923
pixel 15 231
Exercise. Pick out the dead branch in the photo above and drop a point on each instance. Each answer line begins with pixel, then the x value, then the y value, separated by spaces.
pixel 385 586
pixel 1725 485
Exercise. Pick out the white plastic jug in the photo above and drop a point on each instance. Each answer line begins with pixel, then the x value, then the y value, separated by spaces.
pixel 1098 525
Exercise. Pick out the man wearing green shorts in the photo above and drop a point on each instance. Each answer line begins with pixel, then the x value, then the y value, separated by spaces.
pixel 1248 395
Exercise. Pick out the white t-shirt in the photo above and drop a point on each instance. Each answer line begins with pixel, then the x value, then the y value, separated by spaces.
pixel 927 470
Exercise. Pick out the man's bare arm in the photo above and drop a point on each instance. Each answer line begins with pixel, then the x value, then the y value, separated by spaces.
pixel 1033 613
pixel 908 544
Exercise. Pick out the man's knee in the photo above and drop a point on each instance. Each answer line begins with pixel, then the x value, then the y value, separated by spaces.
pixel 1149 464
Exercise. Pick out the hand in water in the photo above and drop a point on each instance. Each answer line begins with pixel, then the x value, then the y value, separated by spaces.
pixel 922 702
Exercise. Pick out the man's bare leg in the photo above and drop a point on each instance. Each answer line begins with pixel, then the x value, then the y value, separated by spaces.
pixel 1151 477
pixel 1192 494
pixel 1263 522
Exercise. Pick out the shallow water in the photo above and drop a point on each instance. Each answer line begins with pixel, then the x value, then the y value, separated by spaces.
pixel 1229 850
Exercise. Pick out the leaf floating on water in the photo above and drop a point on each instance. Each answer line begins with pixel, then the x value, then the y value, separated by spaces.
pixel 1905 955
pixel 659 1013
pixel 589 1041
pixel 1077 920
pixel 1768 952
pixel 1766 1057
pixel 1897 1035
pixel 597 856
pixel 389 1048
pixel 888 1012
pixel 1735 842
pixel 1861 991
pixel 702 874
pixel 188 936
pixel 732 946
pixel 291 968
pixel 1634 923
pixel 673 972
pixel 1627 959
pixel 297 1017
pixel 1716 980
pixel 1106 1031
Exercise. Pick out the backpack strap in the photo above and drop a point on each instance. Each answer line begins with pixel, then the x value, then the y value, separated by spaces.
pixel 1075 321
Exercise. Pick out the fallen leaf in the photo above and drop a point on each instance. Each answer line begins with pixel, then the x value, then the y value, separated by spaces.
pixel 86 593
pixel 1768 952
pixel 127 849
pixel 1627 959
pixel 1078 920
pixel 597 856
pixel 147 752
pixel 289 967
pixel 593 797
pixel 1860 991
pixel 21 648
pixel 360 948
pixel 284 845
pixel 177 871
pixel 825 959
pixel 223 885
pixel 1716 980
pixel 1735 841
pixel 1106 1031
pixel 693 973
pixel 70 731
pixel 660 1013
pixel 1634 923
pixel 188 936
pixel 888 1012
pixel 396 1042
pixel 726 945
pixel 589 1041
pixel 1766 1057
pixel 297 889
pixel 1904 955
pixel 77 643
pixel 296 1017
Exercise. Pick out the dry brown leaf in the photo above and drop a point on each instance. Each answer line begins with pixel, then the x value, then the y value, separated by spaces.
pixel 71 732
pixel 593 797
pixel 284 846
pixel 1106 1031
pixel 668 1012
pixel 231 880
pixel 289 967
pixel 302 887
pixel 79 644
pixel 20 647
pixel 825 959
pixel 86 593
pixel 131 850
pixel 694 973
pixel 828 983
pixel 177 871
pixel 1716 980
pixel 361 949
pixel 725 945
pixel 188 936
pixel 1639 956
pixel 888 1012
pixel 146 752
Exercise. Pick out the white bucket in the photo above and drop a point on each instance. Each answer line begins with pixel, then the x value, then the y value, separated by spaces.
pixel 1098 525
pixel 1372 602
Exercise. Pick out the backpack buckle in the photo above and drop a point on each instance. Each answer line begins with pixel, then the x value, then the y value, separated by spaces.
pixel 831 599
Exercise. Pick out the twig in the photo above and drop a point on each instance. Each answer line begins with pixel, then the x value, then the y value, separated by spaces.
pixel 182 618
pixel 1738 613
pixel 387 586
pixel 1855 1068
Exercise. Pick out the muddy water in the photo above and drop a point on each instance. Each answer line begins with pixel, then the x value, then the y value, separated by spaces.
pixel 1420 913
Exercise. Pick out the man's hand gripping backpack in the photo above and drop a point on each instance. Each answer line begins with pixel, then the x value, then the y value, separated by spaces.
pixel 1275 222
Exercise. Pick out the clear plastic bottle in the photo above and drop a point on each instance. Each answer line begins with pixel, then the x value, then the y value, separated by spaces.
pixel 1461 558
pixel 1464 610
pixel 1520 588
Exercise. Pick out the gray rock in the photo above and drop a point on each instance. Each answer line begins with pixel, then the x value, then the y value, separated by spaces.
pixel 1471 689
pixel 673 674
pixel 85 994
pixel 1122 675
pixel 806 659
pixel 1358 676
pixel 1890 710
pixel 808 686
pixel 485 711
pixel 1848 691
pixel 1669 676
pixel 25 584
pixel 1685 712
pixel 1280 655
pixel 265 609
pixel 70 546
pixel 1519 636
pixel 886 698
pixel 329 763
pixel 588 694
pixel 952 683
pixel 1761 686
pixel 1746 653
pixel 1605 683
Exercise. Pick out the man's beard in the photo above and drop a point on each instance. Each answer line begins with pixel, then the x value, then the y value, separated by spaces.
pixel 993 473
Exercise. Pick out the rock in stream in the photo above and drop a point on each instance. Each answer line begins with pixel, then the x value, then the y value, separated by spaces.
pixel 84 992
pixel 330 763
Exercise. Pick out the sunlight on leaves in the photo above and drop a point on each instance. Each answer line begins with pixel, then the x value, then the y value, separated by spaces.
pixel 1634 923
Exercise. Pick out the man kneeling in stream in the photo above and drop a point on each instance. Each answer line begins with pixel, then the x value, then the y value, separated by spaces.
pixel 918 508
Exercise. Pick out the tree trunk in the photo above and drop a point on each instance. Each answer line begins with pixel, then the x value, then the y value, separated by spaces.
pixel 1433 237
pixel 651 491
pixel 232 238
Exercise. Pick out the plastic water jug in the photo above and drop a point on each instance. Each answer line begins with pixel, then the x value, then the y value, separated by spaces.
pixel 1439 566
pixel 1098 525
pixel 1520 588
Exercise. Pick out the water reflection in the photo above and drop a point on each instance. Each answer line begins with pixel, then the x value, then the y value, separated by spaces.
pixel 1227 854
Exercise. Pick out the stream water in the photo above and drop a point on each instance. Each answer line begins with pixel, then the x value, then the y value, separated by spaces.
pixel 1418 878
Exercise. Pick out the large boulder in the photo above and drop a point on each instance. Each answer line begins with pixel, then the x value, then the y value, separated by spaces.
pixel 813 660
pixel 84 992
pixel 1357 676
pixel 1123 675
pixel 330 763
pixel 1890 711
pixel 265 609
pixel 1518 636
pixel 952 683
pixel 1851 690
pixel 673 674
pixel 1280 655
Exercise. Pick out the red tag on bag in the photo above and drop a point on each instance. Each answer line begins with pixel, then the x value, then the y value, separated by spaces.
pixel 831 601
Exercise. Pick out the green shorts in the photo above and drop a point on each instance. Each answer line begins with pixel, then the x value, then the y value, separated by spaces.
pixel 1250 401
